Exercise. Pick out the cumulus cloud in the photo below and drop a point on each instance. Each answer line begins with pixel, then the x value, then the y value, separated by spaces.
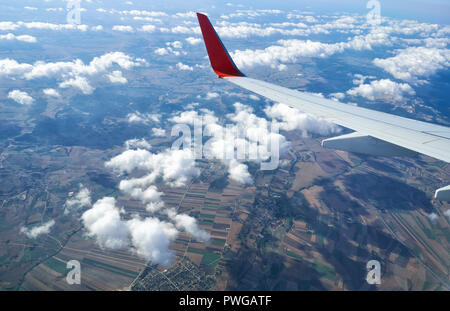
pixel 8 26
pixel 140 13
pixel 51 92
pixel 79 200
pixel 189 14
pixel 103 222
pixel 162 51
pixel 239 172
pixel 144 118
pixel 148 28
pixel 337 96
pixel 10 67
pixel 148 237
pixel 122 28
pixel 433 217
pixel 175 44
pixel 290 51
pixel 413 63
pixel 116 77
pixel 24 38
pixel 188 224
pixel 360 79
pixel 248 139
pixel 175 167
pixel 193 41
pixel 21 97
pixel 151 237
pixel 36 231
pixel 383 89
pixel 158 132
pixel 146 195
pixel 182 66
pixel 75 74
pixel 175 49
pixel 211 95
pixel 50 26
pixel 137 144
pixel 290 119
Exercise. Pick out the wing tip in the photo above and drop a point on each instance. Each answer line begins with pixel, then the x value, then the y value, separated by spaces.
pixel 221 61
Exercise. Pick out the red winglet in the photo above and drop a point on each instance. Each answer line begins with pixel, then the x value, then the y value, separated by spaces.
pixel 219 58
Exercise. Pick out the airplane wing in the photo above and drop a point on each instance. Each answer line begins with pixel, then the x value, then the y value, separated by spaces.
pixel 376 133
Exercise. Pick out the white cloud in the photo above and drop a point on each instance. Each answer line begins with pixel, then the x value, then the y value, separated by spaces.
pixel 54 9
pixel 433 217
pixel 189 14
pixel 337 96
pixel 24 38
pixel 122 28
pixel 415 62
pixel 80 83
pixel 290 119
pixel 290 51
pixel 51 92
pixel 103 222
pixel 189 117
pixel 137 143
pixel 182 66
pixel 21 97
pixel 145 195
pixel 79 200
pixel 97 28
pixel 8 26
pixel 239 172
pixel 75 74
pixel 193 41
pixel 10 67
pixel 175 44
pixel 148 28
pixel 137 117
pixel 162 51
pixel 151 238
pixel 38 230
pixel 382 89
pixel 143 13
pixel 360 79
pixel 116 77
pixel 175 167
pixel 189 224
pixel 227 145
pixel 182 30
pixel 211 95
pixel 50 26
pixel 158 132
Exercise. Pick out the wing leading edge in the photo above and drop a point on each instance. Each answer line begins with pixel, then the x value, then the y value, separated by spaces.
pixel 377 133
